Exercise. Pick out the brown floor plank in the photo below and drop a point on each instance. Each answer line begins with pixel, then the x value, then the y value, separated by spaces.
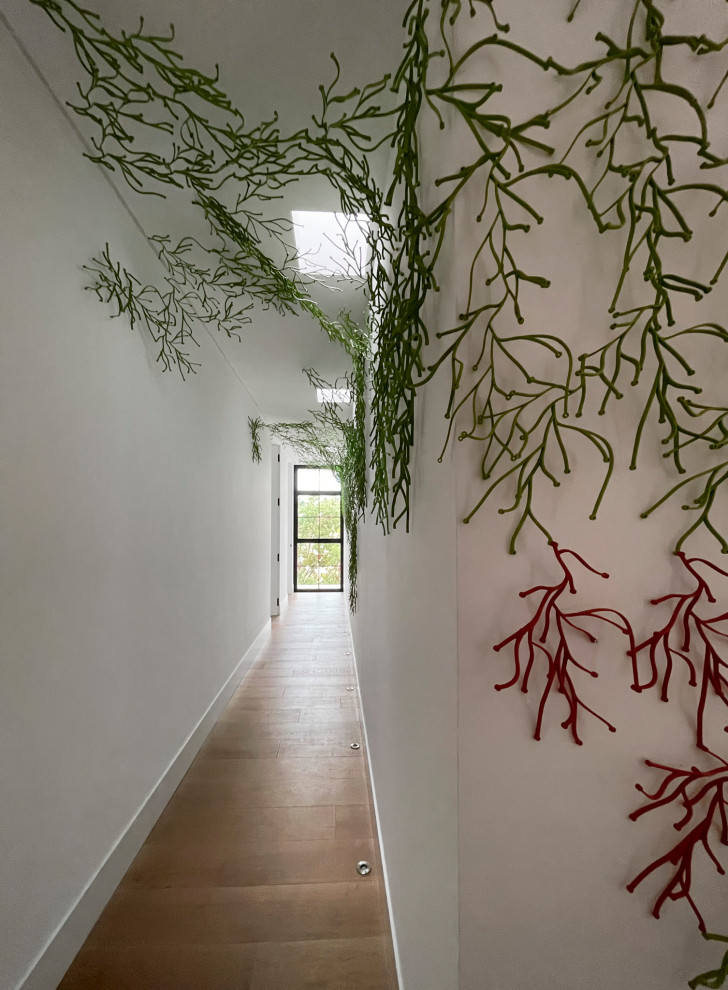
pixel 260 691
pixel 349 715
pixel 244 703
pixel 163 968
pixel 247 825
pixel 251 749
pixel 285 793
pixel 230 732
pixel 206 770
pixel 354 964
pixel 298 668
pixel 235 915
pixel 298 749
pixel 308 692
pixel 265 715
pixel 247 864
pixel 354 821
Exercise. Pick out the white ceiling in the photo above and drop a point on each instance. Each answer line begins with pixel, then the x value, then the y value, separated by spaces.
pixel 273 54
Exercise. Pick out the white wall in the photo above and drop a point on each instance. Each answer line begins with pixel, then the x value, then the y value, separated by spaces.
pixel 405 642
pixel 135 532
pixel 405 646
pixel 546 847
pixel 545 844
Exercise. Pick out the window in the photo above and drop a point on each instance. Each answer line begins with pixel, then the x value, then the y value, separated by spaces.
pixel 317 530
pixel 331 244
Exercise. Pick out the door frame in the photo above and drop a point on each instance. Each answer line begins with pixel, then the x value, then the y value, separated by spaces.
pixel 296 541
pixel 275 530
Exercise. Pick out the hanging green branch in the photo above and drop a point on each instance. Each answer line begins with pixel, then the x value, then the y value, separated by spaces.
pixel 402 243
pixel 515 390
pixel 255 275
pixel 256 427
pixel 137 86
pixel 526 439
pixel 646 208
pixel 206 292
pixel 715 977
pixel 401 279
pixel 650 207
pixel 311 444
pixel 191 295
pixel 166 316
pixel 702 505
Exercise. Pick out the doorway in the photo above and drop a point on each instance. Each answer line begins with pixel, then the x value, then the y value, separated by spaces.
pixel 317 530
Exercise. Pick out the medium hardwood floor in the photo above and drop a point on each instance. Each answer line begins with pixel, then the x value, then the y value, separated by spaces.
pixel 248 881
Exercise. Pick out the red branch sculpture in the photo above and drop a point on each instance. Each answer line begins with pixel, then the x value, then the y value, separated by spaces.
pixel 533 640
pixel 702 793
pixel 684 630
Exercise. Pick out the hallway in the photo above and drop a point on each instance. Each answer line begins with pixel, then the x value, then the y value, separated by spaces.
pixel 248 880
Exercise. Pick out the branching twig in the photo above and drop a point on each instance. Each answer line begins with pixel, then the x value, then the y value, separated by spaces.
pixel 255 426
pixel 518 396
pixel 690 637
pixel 701 793
pixel 167 316
pixel 547 636
pixel 717 977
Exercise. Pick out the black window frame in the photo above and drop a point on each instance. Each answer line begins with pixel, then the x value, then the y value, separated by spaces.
pixel 296 541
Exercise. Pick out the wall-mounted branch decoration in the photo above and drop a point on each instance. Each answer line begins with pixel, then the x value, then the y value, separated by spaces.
pixel 702 795
pixel 625 169
pixel 620 161
pixel 711 479
pixel 715 977
pixel 192 295
pixel 168 318
pixel 255 426
pixel 692 638
pixel 548 636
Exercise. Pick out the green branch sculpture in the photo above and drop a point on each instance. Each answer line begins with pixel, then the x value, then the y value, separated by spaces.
pixel 715 977
pixel 256 425
pixel 522 417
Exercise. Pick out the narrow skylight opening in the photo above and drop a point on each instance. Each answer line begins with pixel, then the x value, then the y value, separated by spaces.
pixel 341 396
pixel 331 244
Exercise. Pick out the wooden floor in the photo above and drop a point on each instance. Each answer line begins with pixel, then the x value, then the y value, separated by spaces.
pixel 248 880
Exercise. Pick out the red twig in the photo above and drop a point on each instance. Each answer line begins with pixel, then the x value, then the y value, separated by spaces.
pixel 532 640
pixel 702 793
pixel 687 636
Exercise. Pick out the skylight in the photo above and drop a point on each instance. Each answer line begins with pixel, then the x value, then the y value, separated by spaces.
pixel 331 244
pixel 341 396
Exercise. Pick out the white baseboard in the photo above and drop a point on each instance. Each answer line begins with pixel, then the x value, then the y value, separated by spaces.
pixel 382 853
pixel 49 967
